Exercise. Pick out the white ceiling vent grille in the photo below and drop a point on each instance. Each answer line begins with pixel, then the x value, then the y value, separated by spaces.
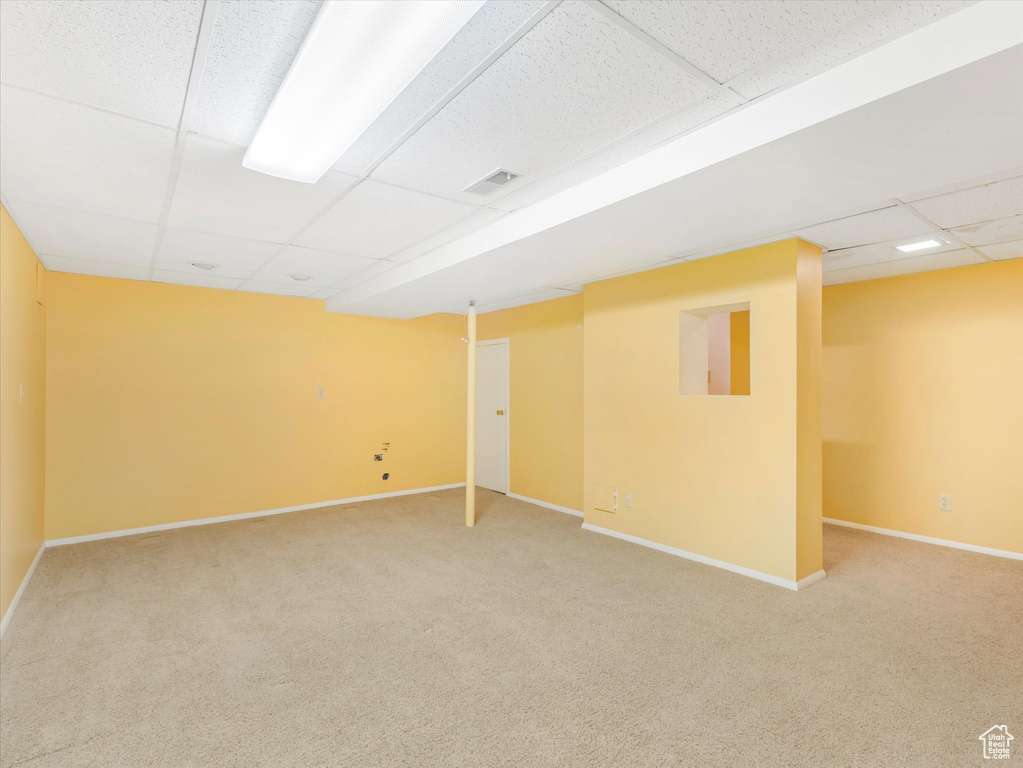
pixel 493 181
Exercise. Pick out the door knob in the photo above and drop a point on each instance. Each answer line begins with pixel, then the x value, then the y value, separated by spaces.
pixel 500 413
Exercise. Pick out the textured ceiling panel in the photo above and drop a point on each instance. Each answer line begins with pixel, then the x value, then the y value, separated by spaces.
pixel 960 258
pixel 251 49
pixel 636 143
pixel 232 256
pixel 195 279
pixel 878 252
pixel 888 20
pixel 129 57
pixel 216 194
pixel 873 227
pixel 999 200
pixel 725 39
pixel 100 269
pixel 70 156
pixel 998 231
pixel 375 220
pixel 477 220
pixel 1012 250
pixel 575 82
pixel 60 232
pixel 279 289
pixel 545 294
pixel 489 27
pixel 376 268
pixel 323 268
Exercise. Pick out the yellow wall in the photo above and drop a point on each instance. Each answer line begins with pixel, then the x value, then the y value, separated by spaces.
pixel 923 395
pixel 22 422
pixel 546 410
pixel 716 476
pixel 169 403
pixel 739 333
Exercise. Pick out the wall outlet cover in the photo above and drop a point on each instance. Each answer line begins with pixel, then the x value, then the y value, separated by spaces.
pixel 945 502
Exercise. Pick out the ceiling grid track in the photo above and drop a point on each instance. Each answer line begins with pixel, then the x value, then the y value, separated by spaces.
pixel 202 44
pixel 462 84
pixel 654 45
pixel 953 237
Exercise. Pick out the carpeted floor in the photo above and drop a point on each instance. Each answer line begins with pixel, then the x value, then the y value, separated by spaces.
pixel 388 634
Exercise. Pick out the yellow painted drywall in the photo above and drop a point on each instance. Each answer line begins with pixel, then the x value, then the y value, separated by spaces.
pixel 169 403
pixel 923 395
pixel 22 408
pixel 546 384
pixel 716 476
pixel 740 352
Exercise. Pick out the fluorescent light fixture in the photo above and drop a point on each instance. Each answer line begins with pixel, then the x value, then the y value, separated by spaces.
pixel 358 56
pixel 923 245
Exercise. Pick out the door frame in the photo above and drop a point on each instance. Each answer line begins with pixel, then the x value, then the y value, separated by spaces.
pixel 506 343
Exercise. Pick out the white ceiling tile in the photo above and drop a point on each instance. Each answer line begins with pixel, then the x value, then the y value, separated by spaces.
pixel 132 58
pixel 279 289
pixel 638 142
pixel 326 293
pixel 998 200
pixel 877 253
pixel 873 227
pixel 324 268
pixel 1002 251
pixel 83 267
pixel 77 235
pixel 205 280
pixel 725 39
pixel 233 256
pixel 216 194
pixel 907 266
pixel 483 34
pixel 465 226
pixel 375 220
pixel 376 268
pixel 574 83
pixel 66 155
pixel 885 21
pixel 546 294
pixel 998 231
pixel 251 49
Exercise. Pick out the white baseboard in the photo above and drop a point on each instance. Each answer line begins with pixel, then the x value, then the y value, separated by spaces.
pixel 21 590
pixel 813 578
pixel 776 580
pixel 927 539
pixel 243 515
pixel 547 504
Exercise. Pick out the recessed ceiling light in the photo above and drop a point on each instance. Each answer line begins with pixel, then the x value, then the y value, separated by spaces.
pixel 923 245
pixel 203 265
pixel 358 56
pixel 301 278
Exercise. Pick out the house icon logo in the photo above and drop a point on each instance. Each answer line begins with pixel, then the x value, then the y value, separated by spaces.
pixel 996 742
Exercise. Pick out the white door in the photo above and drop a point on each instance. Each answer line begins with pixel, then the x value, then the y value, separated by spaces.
pixel 492 415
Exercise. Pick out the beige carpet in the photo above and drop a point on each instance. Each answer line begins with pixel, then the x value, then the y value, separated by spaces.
pixel 387 634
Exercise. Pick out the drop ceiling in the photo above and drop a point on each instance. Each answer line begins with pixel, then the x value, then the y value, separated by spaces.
pixel 122 127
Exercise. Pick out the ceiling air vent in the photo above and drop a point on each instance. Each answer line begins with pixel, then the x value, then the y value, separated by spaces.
pixel 492 182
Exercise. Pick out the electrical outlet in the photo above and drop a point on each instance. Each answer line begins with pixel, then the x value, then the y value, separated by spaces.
pixel 945 502
pixel 321 393
pixel 628 500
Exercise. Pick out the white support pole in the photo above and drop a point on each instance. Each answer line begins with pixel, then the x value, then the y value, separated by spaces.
pixel 470 421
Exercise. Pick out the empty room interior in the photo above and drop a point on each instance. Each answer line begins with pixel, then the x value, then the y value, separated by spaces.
pixel 511 383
